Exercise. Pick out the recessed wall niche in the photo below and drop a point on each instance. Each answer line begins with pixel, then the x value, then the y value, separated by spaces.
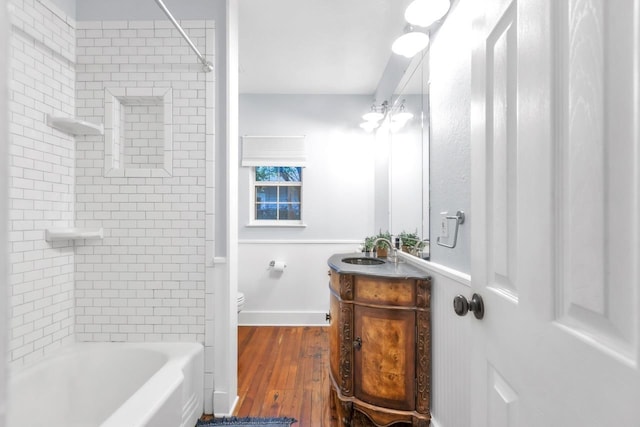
pixel 138 132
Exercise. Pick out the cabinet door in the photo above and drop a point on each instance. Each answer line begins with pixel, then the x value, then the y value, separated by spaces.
pixel 384 371
pixel 334 336
pixel 341 344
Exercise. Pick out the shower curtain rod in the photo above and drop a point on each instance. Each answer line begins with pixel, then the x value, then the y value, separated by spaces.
pixel 206 65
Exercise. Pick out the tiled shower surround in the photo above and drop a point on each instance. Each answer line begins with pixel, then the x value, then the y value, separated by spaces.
pixel 145 281
pixel 41 180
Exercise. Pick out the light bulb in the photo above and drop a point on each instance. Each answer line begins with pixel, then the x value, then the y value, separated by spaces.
pixel 409 44
pixel 425 12
pixel 373 116
pixel 402 117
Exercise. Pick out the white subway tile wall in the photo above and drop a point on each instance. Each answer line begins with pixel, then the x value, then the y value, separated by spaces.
pixel 143 138
pixel 146 280
pixel 41 179
pixel 138 132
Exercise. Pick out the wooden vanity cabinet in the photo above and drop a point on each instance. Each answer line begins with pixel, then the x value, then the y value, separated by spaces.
pixel 380 350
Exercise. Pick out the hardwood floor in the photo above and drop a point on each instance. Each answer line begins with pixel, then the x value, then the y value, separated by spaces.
pixel 284 371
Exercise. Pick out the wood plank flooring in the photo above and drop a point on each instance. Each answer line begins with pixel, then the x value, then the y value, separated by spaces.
pixel 284 371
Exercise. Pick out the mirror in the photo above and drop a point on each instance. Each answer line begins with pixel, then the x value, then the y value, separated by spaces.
pixel 408 133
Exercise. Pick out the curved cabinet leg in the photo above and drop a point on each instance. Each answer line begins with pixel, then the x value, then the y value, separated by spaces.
pixel 332 399
pixel 360 420
pixel 420 422
pixel 346 413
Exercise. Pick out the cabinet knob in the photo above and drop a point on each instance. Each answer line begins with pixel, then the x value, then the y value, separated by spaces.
pixel 357 343
pixel 327 317
pixel 462 306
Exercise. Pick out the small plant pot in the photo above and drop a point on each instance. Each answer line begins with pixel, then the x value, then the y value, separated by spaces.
pixel 382 252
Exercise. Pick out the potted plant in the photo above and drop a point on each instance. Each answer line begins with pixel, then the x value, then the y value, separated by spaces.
pixel 411 243
pixel 382 247
pixel 367 245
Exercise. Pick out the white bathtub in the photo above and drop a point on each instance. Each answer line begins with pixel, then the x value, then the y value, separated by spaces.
pixel 110 385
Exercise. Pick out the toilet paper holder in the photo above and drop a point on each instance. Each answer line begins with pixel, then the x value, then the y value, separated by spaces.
pixel 272 264
pixel 459 218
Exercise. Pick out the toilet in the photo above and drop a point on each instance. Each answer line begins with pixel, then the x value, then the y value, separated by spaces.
pixel 240 301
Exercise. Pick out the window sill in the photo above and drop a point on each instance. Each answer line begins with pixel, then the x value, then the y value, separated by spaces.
pixel 276 224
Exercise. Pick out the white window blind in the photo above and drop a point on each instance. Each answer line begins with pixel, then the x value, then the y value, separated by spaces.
pixel 274 151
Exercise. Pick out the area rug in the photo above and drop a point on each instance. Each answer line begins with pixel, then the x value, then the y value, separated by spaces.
pixel 248 422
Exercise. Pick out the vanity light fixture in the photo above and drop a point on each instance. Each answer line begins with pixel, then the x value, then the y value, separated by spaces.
pixel 402 116
pixel 374 116
pixel 410 43
pixel 399 119
pixel 424 13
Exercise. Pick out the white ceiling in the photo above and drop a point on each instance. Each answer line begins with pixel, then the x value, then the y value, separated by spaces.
pixel 316 46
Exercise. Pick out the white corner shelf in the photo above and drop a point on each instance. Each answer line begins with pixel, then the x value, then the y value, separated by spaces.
pixel 53 234
pixel 74 126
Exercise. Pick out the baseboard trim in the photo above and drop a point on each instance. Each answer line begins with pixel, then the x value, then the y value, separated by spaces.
pixel 282 318
pixel 221 405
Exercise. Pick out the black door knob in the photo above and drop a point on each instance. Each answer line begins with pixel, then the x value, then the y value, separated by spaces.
pixel 462 306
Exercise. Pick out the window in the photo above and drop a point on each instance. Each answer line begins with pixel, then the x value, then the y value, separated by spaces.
pixel 277 195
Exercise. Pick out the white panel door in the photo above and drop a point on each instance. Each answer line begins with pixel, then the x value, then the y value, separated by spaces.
pixel 555 213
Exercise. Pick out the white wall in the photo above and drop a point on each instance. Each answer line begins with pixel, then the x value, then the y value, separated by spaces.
pixel 337 183
pixel 4 149
pixel 338 204
pixel 450 337
pixel 296 296
pixel 66 6
pixel 41 179
pixel 450 67
pixel 451 367
pixel 225 335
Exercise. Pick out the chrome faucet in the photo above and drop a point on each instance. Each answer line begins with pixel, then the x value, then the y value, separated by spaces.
pixel 392 248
